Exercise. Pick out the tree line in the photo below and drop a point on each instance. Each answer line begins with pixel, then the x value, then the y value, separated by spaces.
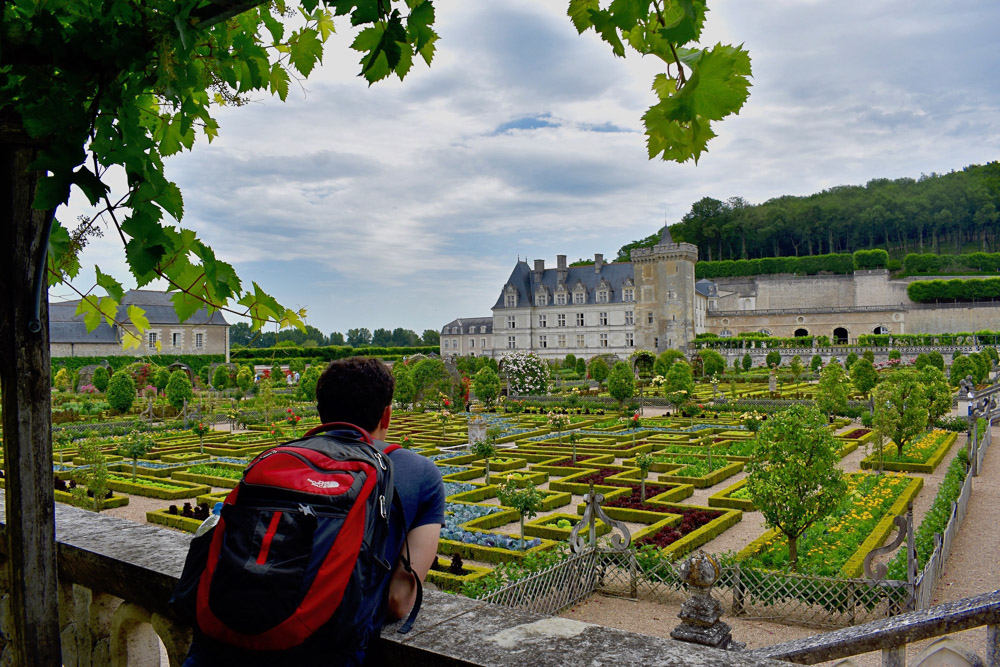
pixel 243 335
pixel 936 213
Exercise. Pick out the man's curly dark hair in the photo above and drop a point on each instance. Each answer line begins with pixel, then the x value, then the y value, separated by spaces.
pixel 355 390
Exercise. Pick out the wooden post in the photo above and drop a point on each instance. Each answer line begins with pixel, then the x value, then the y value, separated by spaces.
pixel 27 422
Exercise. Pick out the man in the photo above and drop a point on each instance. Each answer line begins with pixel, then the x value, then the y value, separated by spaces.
pixel 358 391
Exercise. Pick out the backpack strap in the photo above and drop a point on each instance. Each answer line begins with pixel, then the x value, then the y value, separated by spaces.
pixel 404 558
pixel 329 426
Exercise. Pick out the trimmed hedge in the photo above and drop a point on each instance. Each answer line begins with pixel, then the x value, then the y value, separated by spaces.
pixel 870 462
pixel 931 263
pixel 808 265
pixel 184 489
pixel 708 480
pixel 453 583
pixel 854 567
pixel 545 527
pixel 165 518
pixel 211 480
pixel 974 289
pixel 723 499
pixel 267 355
pixel 195 361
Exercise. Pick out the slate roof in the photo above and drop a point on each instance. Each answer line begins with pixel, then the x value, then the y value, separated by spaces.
pixel 468 325
pixel 67 327
pixel 706 287
pixel 522 277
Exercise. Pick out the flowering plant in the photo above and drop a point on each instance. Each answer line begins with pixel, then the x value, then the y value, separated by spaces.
pixel 526 373
pixel 406 442
pixel 293 420
pixel 201 429
pixel 88 389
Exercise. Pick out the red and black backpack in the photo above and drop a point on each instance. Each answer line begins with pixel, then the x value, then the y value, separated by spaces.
pixel 298 555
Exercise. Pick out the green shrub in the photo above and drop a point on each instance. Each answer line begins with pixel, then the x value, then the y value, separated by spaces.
pixel 179 389
pixel 220 378
pixel 101 378
pixel 871 259
pixel 121 392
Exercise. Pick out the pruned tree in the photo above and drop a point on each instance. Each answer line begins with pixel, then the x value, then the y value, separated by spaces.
pixel 864 377
pixel 901 408
pixel 621 383
pixel 792 475
pixel 831 394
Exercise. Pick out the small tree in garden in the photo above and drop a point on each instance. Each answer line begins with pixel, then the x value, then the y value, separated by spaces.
pixel 643 462
pixel 713 363
pixel 773 359
pixel 62 380
pixel 851 358
pixel 121 392
pixel 792 475
pixel 278 378
pixel 101 378
pixel 572 442
pixel 895 355
pixel 201 430
pixel 443 417
pixel 292 419
pixel 526 501
pixel 936 359
pixel 486 384
pixel 621 383
pixel 162 376
pixel 599 371
pixel 244 380
pixel 747 362
pixel 816 363
pixel 900 408
pixel 962 367
pixel 664 360
pixel 558 421
pixel 864 377
pixel 92 474
pixel 220 378
pixel 831 394
pixel 136 444
pixel 276 433
pixel 938 393
pixel 797 368
pixel 679 386
pixel 486 448
pixel 869 355
pixel 178 389
pixel 581 366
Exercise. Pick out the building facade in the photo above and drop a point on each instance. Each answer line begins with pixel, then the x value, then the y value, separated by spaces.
pixel 199 334
pixel 468 337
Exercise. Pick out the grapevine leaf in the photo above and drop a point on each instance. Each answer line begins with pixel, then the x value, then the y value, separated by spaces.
pixel 91 315
pixel 305 51
pixel 108 308
pixel 324 23
pixel 62 261
pixel 130 341
pixel 52 191
pixel 279 81
pixel 91 185
pixel 137 316
pixel 110 285
pixel 580 13
pixel 683 21
pixel 719 84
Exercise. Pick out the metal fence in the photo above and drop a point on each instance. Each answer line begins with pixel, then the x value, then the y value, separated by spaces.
pixel 553 589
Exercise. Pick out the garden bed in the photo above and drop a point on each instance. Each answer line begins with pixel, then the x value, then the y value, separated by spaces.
pixel 732 497
pixel 922 455
pixel 152 487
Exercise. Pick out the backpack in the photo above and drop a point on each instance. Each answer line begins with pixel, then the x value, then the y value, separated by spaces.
pixel 297 558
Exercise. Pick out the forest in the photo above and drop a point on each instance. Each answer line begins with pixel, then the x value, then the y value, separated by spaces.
pixel 952 213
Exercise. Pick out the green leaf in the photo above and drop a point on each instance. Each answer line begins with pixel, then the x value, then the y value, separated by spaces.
pixel 52 191
pixel 62 261
pixel 110 285
pixel 305 51
pixel 185 305
pixel 719 85
pixel 91 315
pixel 279 81
pixel 580 13
pixel 91 185
pixel 137 316
pixel 683 21
pixel 108 308
pixel 171 200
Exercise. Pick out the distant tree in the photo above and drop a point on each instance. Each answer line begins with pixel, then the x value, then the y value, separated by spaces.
pixel 381 338
pixel 92 473
pixel 792 475
pixel 864 377
pixel 895 355
pixel 678 384
pixel 747 362
pixel 136 444
pixel 664 361
pixel 526 501
pixel 962 367
pixel 851 358
pixel 773 359
pixel 816 363
pixel 337 338
pixel 431 337
pixel 526 373
pixel 62 380
pixel 486 384
pixel 240 334
pixel 486 449
pixel 900 408
pixel 160 378
pixel 569 362
pixel 244 379
pixel 921 361
pixel 831 394
pixel 598 370
pixel 581 366
pixel 938 391
pixel 220 378
pixel 621 383
pixel 297 365
pixel 179 389
pixel 359 337
pixel 869 355
pixel 404 337
pixel 308 380
pixel 797 368
pixel 278 377
pixel 121 392
pixel 713 363
pixel 429 380
pixel 101 378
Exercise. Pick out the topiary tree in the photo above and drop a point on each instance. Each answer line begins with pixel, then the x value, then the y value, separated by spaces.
pixel 569 363
pixel 101 378
pixel 486 384
pixel 747 362
pixel 960 368
pixel 486 448
pixel 816 363
pixel 598 371
pixel 643 462
pixel 773 359
pixel 581 366
pixel 831 393
pixel 136 444
pixel 851 358
pixel 220 378
pixel 900 408
pixel 179 389
pixel 244 380
pixel 162 376
pixel 278 378
pixel 922 361
pixel 121 392
pixel 678 385
pixel 864 377
pixel 526 501
pixel 621 383
pixel 895 355
pixel 308 381
pixel 792 475
pixel 869 355
pixel 62 380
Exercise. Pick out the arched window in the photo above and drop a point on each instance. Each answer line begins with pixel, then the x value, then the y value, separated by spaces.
pixel 801 332
pixel 880 330
pixel 840 336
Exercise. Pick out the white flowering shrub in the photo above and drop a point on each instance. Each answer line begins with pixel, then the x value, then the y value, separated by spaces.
pixel 526 373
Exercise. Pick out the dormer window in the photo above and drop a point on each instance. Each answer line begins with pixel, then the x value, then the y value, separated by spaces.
pixel 628 294
pixel 561 299
pixel 602 296
pixel 510 296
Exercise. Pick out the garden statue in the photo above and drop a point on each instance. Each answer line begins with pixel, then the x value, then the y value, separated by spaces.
pixel 700 613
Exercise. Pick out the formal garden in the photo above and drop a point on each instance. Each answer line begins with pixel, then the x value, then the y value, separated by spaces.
pixel 521 443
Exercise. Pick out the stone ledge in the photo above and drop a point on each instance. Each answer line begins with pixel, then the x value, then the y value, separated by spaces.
pixel 141 563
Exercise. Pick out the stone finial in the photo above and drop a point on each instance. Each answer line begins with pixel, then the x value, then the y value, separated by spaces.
pixel 700 613
pixel 665 237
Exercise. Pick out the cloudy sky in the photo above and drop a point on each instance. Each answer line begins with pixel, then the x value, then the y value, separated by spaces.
pixel 408 204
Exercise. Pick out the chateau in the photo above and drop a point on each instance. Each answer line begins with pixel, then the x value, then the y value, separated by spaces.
pixel 655 303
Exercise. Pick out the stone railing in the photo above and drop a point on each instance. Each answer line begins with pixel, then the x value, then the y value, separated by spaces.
pixel 115 577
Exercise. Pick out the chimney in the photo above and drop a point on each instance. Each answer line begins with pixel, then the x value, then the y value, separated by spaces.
pixel 598 262
pixel 561 270
pixel 539 269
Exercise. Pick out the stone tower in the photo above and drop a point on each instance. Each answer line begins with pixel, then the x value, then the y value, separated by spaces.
pixel 664 277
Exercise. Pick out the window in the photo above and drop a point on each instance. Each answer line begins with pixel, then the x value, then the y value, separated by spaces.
pixel 511 322
pixel 604 319
pixel 629 340
pixel 629 317
pixel 542 321
pixel 152 339
pixel 580 341
pixel 579 297
pixel 579 319
pixel 541 300
pixel 175 339
pixel 199 340
pixel 482 342
pixel 510 301
pixel 562 340
pixel 649 317
pixel 628 294
pixel 561 319
pixel 560 299
pixel 604 340
pixel 482 329
pixel 602 296
pixel 543 341
pixel 472 342
pixel 511 342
